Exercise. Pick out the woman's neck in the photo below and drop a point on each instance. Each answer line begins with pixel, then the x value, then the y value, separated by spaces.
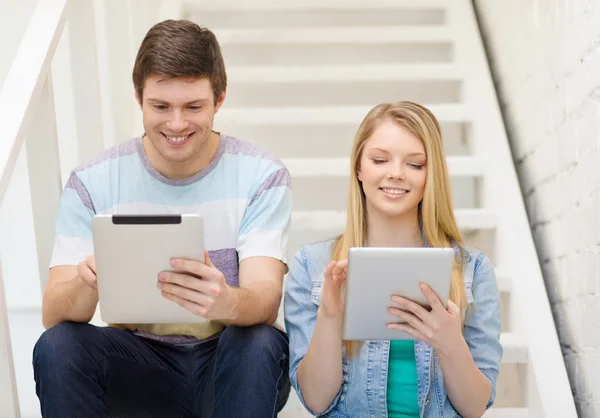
pixel 402 231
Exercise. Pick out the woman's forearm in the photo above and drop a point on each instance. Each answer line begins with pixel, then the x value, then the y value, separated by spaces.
pixel 320 371
pixel 468 389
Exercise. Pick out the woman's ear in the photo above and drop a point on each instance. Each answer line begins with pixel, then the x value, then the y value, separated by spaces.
pixel 359 176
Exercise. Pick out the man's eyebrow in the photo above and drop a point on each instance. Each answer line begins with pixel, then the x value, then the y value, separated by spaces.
pixel 152 100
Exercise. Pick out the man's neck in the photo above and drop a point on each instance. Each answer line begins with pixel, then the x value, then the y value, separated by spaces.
pixel 186 169
pixel 403 231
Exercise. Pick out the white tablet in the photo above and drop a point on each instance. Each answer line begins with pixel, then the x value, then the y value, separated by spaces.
pixel 130 252
pixel 375 274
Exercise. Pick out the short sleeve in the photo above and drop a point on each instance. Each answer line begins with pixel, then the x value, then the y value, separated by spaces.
pixel 265 225
pixel 73 241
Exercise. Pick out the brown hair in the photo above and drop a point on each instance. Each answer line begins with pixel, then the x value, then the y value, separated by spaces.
pixel 180 48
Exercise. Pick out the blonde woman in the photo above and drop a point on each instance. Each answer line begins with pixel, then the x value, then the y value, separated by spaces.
pixel 399 197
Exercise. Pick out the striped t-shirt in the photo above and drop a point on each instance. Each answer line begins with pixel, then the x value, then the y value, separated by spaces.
pixel 244 196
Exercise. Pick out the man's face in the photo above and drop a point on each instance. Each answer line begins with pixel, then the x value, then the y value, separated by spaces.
pixel 178 116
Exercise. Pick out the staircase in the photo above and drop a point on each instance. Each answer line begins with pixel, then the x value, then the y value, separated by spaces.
pixel 302 75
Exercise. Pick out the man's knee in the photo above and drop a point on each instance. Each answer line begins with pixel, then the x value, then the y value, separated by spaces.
pixel 59 342
pixel 257 339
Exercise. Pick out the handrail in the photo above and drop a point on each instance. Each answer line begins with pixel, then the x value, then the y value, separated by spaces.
pixel 26 88
pixel 25 80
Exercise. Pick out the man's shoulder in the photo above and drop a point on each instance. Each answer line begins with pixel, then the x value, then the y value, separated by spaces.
pixel 242 148
pixel 113 153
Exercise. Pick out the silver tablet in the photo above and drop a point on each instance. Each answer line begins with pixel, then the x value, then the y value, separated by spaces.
pixel 130 251
pixel 375 274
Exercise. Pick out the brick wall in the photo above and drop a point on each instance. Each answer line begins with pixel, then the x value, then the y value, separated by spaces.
pixel 545 57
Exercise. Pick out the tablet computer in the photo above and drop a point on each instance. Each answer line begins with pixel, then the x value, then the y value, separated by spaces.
pixel 375 274
pixel 130 252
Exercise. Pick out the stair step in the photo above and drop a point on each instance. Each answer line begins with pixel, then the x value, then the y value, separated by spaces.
pixel 333 35
pixel 506 413
pixel 458 166
pixel 471 219
pixel 515 350
pixel 254 74
pixel 338 115
pixel 253 5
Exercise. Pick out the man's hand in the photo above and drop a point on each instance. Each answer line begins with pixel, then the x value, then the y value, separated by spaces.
pixel 199 288
pixel 87 271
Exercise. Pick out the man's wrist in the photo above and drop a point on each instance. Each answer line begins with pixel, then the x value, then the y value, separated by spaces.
pixel 233 296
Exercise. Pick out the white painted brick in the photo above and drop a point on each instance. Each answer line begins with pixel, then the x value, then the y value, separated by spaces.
pixel 546 61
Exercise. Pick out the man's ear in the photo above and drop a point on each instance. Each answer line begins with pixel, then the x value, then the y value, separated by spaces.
pixel 220 101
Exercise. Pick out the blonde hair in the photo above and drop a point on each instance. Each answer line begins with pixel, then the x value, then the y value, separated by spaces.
pixel 436 214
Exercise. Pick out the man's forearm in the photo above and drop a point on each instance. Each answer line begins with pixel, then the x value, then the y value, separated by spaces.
pixel 254 306
pixel 73 300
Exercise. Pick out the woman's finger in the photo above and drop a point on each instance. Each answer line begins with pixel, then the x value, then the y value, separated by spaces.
pixel 415 308
pixel 432 298
pixel 407 329
pixel 409 318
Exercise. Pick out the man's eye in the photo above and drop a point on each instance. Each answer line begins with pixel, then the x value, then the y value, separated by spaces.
pixel 195 108
pixel 160 107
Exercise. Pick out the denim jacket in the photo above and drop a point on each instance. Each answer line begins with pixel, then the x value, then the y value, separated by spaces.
pixel 364 382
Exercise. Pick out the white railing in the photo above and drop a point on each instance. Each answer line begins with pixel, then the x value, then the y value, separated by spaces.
pixel 71 77
pixel 26 97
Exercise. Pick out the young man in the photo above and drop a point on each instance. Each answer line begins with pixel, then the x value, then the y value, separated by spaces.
pixel 180 165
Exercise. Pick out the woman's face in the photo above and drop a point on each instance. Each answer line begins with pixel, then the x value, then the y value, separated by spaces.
pixel 393 171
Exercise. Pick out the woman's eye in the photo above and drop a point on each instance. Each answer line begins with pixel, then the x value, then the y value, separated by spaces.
pixel 416 166
pixel 378 161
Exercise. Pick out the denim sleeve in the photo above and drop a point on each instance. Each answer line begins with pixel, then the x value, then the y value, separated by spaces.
pixel 482 324
pixel 300 319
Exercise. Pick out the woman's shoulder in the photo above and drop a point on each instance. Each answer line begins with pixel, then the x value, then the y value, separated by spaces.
pixel 473 257
pixel 477 266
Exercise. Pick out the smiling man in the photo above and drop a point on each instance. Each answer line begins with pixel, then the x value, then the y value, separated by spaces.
pixel 235 364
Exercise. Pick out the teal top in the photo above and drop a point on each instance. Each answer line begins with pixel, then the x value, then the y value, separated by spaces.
pixel 402 381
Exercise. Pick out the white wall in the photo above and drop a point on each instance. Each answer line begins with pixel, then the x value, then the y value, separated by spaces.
pixel 545 56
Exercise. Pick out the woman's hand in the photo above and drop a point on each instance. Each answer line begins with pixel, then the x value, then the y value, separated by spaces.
pixel 440 328
pixel 333 293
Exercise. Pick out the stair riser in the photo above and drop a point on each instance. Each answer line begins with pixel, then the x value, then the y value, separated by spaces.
pixel 335 54
pixel 318 18
pixel 341 93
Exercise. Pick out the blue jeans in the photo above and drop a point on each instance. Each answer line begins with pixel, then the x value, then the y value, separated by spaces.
pixel 86 371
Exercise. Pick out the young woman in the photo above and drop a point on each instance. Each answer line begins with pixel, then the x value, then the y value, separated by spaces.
pixel 399 197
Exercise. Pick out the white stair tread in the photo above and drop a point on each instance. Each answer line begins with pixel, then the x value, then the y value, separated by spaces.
pixel 340 167
pixel 336 220
pixel 515 350
pixel 334 115
pixel 243 5
pixel 335 35
pixel 506 413
pixel 340 73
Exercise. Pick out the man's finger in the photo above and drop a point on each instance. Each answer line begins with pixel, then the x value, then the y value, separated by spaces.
pixel 207 260
pixel 92 263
